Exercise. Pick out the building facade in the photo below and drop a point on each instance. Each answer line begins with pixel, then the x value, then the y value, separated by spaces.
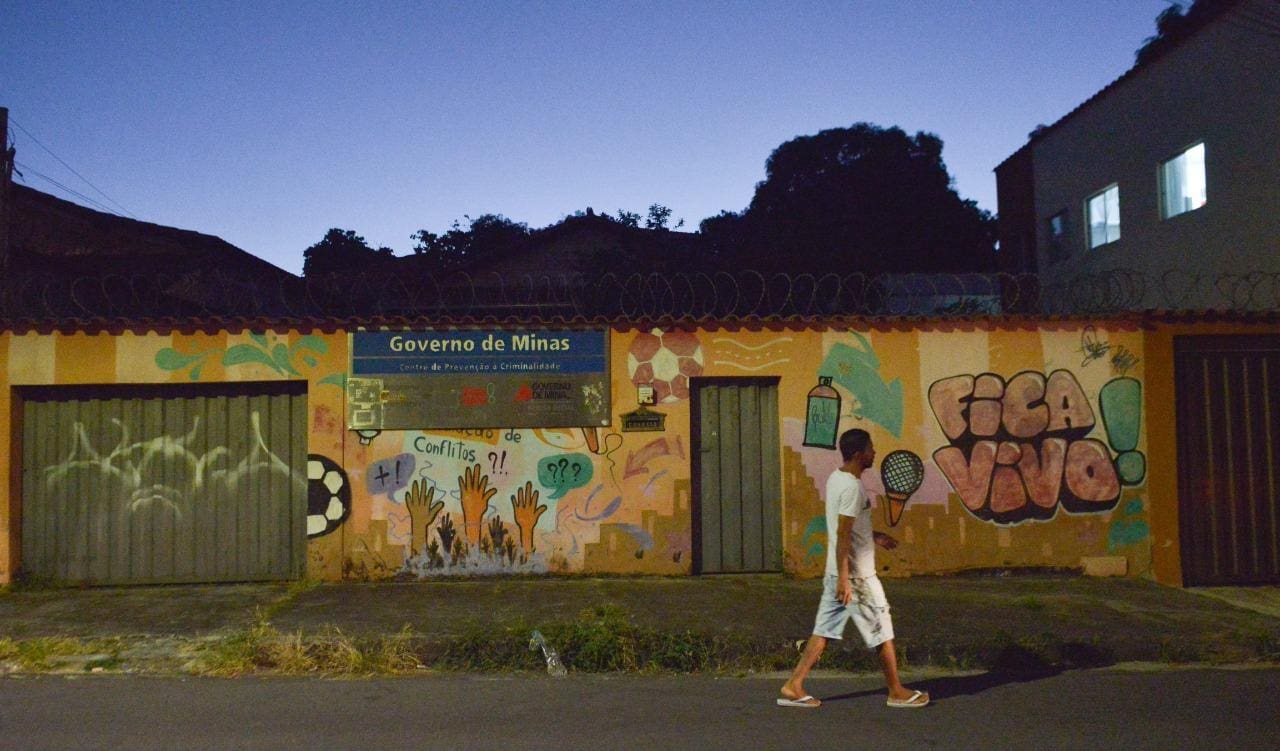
pixel 1165 174
pixel 225 453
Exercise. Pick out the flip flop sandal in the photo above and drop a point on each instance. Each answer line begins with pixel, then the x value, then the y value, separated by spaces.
pixel 915 701
pixel 804 702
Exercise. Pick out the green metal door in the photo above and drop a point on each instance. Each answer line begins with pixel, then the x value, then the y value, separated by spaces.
pixel 737 495
pixel 171 483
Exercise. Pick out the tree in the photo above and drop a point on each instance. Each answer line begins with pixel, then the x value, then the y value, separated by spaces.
pixel 342 250
pixel 1173 25
pixel 658 217
pixel 861 198
pixel 486 234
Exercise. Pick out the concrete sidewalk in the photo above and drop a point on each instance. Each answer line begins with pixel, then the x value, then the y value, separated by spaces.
pixel 939 620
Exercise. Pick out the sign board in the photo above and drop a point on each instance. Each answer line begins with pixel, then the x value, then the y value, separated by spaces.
pixel 478 378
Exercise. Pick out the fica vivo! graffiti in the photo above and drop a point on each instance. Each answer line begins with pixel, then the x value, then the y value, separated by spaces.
pixel 1019 449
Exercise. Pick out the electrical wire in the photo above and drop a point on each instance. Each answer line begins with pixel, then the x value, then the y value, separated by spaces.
pixel 69 167
pixel 24 169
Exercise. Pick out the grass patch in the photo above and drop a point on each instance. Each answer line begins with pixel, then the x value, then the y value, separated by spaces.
pixel 46 653
pixel 262 648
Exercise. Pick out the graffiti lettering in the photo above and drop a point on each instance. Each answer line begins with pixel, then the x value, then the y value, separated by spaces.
pixel 1019 448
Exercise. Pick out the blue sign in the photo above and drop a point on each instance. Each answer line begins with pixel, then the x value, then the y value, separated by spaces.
pixel 478 379
pixel 510 352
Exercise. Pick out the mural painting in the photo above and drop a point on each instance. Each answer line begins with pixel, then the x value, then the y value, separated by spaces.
pixel 981 433
pixel 283 359
pixel 502 501
pixel 856 367
pixel 1019 449
pixel 666 361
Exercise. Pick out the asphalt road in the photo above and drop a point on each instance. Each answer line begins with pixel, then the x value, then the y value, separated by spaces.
pixel 1111 708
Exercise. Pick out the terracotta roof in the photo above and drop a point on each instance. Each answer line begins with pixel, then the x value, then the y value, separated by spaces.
pixel 235 324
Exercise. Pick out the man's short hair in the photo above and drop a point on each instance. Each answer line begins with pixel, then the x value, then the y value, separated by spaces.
pixel 853 441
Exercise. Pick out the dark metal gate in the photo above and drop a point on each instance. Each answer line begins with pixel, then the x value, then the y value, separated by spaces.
pixel 164 483
pixel 1228 412
pixel 737 514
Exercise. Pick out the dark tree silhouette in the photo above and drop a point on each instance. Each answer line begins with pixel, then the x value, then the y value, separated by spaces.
pixel 1173 25
pixel 488 235
pixel 342 250
pixel 658 217
pixel 861 198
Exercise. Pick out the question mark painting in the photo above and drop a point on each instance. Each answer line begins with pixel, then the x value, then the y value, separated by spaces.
pixel 564 472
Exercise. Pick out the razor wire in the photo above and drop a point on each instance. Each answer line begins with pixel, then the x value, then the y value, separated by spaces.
pixel 725 296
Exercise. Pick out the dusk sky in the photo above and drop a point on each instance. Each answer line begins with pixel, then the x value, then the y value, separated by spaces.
pixel 268 123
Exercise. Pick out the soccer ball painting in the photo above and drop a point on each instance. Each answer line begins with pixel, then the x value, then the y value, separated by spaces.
pixel 667 360
pixel 328 495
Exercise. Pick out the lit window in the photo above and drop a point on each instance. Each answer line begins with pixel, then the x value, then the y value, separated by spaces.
pixel 1104 216
pixel 1183 186
pixel 1058 244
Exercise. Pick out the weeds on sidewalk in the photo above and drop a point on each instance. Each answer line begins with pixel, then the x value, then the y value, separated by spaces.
pixel 261 648
pixel 604 638
pixel 47 653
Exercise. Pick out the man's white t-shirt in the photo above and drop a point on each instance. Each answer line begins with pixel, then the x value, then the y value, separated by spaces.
pixel 845 497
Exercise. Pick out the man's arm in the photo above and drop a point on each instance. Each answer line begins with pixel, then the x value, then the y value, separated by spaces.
pixel 885 541
pixel 844 533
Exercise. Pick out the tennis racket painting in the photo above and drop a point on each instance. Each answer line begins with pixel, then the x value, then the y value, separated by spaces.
pixel 902 472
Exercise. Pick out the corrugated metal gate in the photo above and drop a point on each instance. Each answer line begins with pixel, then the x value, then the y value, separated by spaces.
pixel 1228 394
pixel 737 515
pixel 166 483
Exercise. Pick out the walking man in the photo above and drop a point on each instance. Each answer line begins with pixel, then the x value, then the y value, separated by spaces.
pixel 851 591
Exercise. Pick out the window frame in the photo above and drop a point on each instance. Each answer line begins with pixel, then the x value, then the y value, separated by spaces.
pixel 1088 217
pixel 1058 246
pixel 1162 189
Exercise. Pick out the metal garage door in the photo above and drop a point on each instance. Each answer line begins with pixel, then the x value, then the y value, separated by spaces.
pixel 737 519
pixel 172 483
pixel 1228 397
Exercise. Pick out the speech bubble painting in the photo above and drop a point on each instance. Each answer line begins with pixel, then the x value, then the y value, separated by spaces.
pixel 564 472
pixel 389 475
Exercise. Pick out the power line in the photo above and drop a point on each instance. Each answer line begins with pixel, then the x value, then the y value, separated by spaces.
pixel 68 166
pixel 25 169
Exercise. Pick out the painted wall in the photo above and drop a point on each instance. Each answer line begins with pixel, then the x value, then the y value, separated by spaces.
pixel 1032 444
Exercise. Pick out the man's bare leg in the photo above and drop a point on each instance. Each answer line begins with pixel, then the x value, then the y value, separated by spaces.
pixel 889 666
pixel 794 687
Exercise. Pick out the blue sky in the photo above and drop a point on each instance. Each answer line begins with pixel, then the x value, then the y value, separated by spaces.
pixel 267 123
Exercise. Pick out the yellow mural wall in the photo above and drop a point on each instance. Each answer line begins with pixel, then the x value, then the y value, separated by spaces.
pixel 1030 445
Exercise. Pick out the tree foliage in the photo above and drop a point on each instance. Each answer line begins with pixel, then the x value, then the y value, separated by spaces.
pixel 658 217
pixel 342 250
pixel 487 234
pixel 845 200
pixel 1173 25
pixel 861 198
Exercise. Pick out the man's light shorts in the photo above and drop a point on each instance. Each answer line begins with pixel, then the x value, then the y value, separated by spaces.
pixel 869 611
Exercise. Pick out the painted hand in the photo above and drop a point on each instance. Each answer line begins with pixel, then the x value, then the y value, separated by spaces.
pixel 423 509
pixel 476 493
pixel 525 508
